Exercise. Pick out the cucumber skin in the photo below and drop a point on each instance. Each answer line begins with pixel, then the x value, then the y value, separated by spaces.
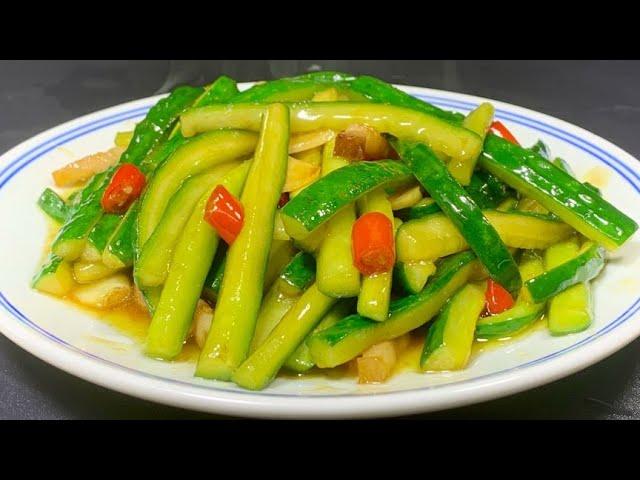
pixel 512 321
pixel 379 91
pixel 586 266
pixel 121 245
pixel 405 314
pixel 463 212
pixel 319 201
pixel 54 206
pixel 300 272
pixel 557 191
pixel 102 231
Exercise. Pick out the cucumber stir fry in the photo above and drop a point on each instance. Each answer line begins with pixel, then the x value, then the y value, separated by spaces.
pixel 323 221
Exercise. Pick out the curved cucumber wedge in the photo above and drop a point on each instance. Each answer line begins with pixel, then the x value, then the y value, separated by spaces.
pixel 257 371
pixel 569 311
pixel 448 343
pixel 463 213
pixel 478 121
pixel 54 206
pixel 54 277
pixel 436 236
pixel 583 267
pixel 423 208
pixel 452 140
pixel 192 158
pixel 154 259
pixel 238 304
pixel 557 191
pixel 174 312
pixel 321 200
pixel 99 236
pixel 354 334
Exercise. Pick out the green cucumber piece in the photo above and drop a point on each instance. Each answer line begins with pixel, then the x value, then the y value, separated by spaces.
pixel 300 361
pixel 413 276
pixel 337 275
pixel 54 206
pixel 557 191
pixel 354 334
pixel 194 157
pixel 448 343
pixel 487 190
pixel 99 236
pixel 158 122
pixel 321 200
pixel 478 121
pixel 294 279
pixel 583 267
pixel 542 149
pixel 238 304
pixel 378 91
pixel 463 213
pixel 54 277
pixel 153 261
pixel 437 236
pixel 87 272
pixel 375 292
pixel 452 140
pixel 523 313
pixel 261 367
pixel 570 311
pixel 213 282
pixel 173 314
pixel 120 248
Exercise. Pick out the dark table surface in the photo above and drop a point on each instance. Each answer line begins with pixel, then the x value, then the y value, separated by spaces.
pixel 601 96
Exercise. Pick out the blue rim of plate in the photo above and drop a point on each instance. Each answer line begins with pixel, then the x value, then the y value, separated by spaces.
pixel 6 174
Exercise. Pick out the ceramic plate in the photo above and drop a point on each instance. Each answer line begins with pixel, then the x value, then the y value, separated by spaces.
pixel 78 342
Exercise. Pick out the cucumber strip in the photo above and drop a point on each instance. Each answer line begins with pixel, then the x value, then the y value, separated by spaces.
pixel 354 334
pixel 192 158
pixel 463 212
pixel 585 266
pixel 337 275
pixel 436 236
pixel 447 345
pixel 238 304
pixel 54 206
pixel 487 190
pixel 452 140
pixel 312 242
pixel 478 121
pixel 85 272
pixel 375 293
pixel 570 311
pixel 294 279
pixel 321 200
pixel 54 277
pixel 523 313
pixel 120 249
pixel 301 361
pixel 557 191
pixel 257 371
pixel 153 262
pixel 413 276
pixel 193 254
pixel 379 91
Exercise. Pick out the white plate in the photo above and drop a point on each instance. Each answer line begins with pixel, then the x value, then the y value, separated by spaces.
pixel 80 344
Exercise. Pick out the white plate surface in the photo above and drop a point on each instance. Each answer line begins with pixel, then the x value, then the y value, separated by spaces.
pixel 79 343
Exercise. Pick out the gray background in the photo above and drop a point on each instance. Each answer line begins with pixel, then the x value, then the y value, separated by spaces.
pixel 601 96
